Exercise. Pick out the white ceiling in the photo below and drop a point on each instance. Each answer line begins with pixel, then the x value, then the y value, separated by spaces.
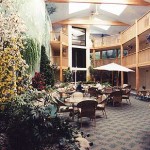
pixel 129 15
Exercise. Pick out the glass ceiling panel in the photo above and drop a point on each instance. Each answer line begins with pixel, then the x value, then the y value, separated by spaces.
pixel 113 8
pixel 75 7
pixel 104 27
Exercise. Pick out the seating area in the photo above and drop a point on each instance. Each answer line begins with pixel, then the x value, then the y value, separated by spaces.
pixel 133 127
pixel 74 74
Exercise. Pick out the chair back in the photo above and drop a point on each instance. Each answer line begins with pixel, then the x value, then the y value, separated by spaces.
pixel 116 96
pixel 108 89
pixel 102 99
pixel 88 108
pixel 126 92
pixel 93 92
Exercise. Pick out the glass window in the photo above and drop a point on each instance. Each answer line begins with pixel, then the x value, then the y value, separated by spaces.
pixel 78 36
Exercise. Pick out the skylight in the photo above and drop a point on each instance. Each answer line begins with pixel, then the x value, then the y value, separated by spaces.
pixel 75 7
pixel 113 8
pixel 104 27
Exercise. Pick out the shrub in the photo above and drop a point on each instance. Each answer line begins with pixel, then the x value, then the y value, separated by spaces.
pixel 38 81
pixel 47 69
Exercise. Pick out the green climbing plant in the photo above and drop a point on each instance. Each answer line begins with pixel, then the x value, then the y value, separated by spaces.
pixel 31 53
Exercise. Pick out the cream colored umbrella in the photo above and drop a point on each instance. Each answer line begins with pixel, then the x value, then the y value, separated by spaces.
pixel 114 67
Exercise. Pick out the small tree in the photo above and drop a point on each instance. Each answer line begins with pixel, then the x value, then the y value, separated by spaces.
pixel 46 68
pixel 67 75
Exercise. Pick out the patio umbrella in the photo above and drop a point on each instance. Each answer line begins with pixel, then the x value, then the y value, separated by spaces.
pixel 114 67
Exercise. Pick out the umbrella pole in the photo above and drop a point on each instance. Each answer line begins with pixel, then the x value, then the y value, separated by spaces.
pixel 101 76
pixel 117 78
pixel 112 78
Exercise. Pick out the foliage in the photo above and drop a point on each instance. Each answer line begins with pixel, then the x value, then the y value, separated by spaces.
pixel 31 53
pixel 38 81
pixel 67 75
pixel 46 68
pixel 13 77
pixel 27 123
pixel 31 127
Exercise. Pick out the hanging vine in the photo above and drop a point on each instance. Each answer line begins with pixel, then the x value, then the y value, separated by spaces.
pixel 31 53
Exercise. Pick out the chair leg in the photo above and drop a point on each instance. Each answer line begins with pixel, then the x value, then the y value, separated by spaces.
pixel 105 114
pixel 113 103
pixel 129 101
pixel 95 121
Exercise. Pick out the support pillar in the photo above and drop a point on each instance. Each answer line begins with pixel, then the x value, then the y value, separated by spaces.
pixel 137 58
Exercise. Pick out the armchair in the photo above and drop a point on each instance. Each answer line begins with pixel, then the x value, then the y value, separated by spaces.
pixel 87 108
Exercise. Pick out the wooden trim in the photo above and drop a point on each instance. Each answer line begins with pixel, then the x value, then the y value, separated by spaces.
pixel 90 22
pixel 124 2
pixel 144 49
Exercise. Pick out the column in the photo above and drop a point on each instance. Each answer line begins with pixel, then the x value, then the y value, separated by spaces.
pixel 137 57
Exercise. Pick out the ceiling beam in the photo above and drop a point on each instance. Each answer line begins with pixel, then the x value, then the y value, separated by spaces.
pixel 123 2
pixel 90 22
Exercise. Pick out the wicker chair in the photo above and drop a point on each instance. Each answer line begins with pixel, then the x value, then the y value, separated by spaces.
pixel 93 92
pixel 126 95
pixel 116 97
pixel 87 108
pixel 62 107
pixel 102 100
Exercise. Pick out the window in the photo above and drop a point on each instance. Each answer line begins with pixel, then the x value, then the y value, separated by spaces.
pixel 76 7
pixel 113 8
pixel 78 36
pixel 79 57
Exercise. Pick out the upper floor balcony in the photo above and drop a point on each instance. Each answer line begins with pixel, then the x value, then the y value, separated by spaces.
pixel 57 38
pixel 105 61
pixel 107 41
pixel 56 60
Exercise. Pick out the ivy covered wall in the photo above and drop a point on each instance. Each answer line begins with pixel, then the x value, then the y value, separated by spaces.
pixel 37 21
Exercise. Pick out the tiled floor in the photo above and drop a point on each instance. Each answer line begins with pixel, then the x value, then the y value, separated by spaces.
pixel 126 128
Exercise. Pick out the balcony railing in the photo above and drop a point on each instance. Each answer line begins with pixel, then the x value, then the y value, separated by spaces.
pixel 59 36
pixel 108 41
pixel 56 60
pixel 130 60
pixel 128 34
pixel 144 23
pixel 144 57
pixel 101 62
